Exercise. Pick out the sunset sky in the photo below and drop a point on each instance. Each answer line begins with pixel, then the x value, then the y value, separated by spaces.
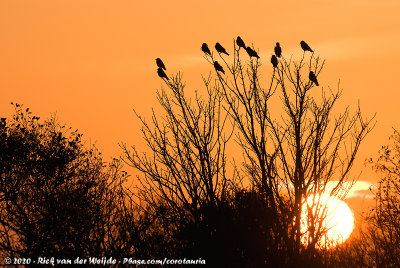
pixel 93 61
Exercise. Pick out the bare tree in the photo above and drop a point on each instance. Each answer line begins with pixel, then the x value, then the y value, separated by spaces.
pixel 303 150
pixel 295 154
pixel 185 173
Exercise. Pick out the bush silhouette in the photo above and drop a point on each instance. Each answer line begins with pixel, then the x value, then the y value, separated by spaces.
pixel 56 197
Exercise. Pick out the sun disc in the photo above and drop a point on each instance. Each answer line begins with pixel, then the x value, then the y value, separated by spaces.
pixel 339 221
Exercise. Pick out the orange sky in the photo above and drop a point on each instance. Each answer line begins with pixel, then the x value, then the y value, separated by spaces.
pixel 93 61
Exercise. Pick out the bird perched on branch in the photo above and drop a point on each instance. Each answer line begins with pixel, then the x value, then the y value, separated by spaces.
pixel 160 64
pixel 306 47
pixel 220 49
pixel 313 78
pixel 278 50
pixel 252 53
pixel 274 61
pixel 205 49
pixel 240 42
pixel 161 73
pixel 218 67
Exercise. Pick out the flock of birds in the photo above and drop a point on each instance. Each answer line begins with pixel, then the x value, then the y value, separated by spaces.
pixel 251 52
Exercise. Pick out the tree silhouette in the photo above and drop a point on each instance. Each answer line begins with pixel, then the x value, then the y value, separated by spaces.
pixel 383 235
pixel 184 181
pixel 59 198
pixel 288 155
pixel 376 243
pixel 56 197
pixel 295 155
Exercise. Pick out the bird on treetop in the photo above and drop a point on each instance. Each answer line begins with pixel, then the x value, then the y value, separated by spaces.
pixel 205 49
pixel 240 42
pixel 252 53
pixel 160 64
pixel 274 61
pixel 313 78
pixel 220 48
pixel 278 50
pixel 218 67
pixel 305 47
pixel 161 73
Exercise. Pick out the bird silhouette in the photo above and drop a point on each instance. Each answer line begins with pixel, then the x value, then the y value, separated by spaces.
pixel 160 64
pixel 240 42
pixel 278 50
pixel 305 46
pixel 313 78
pixel 220 49
pixel 274 61
pixel 205 49
pixel 161 73
pixel 251 52
pixel 218 67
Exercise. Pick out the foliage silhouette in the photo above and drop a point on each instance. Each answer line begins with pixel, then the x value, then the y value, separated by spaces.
pixel 376 243
pixel 56 197
pixel 383 232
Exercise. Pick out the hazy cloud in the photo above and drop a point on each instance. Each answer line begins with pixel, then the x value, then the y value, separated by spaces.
pixel 353 47
pixel 361 189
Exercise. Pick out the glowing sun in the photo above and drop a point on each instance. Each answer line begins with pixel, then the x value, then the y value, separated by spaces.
pixel 339 221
